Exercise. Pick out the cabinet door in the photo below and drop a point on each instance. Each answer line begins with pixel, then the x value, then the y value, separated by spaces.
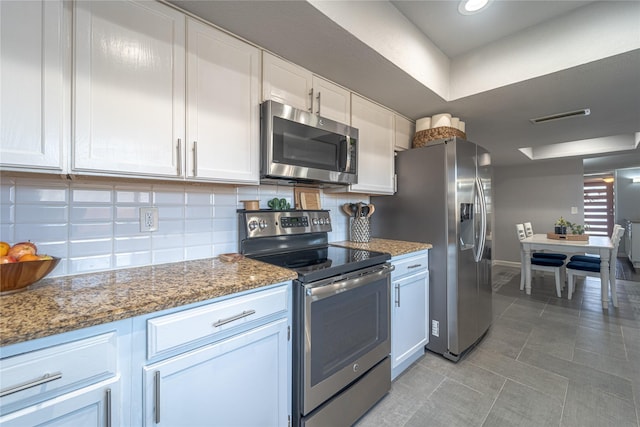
pixel 97 405
pixel 223 112
pixel 129 88
pixel 404 132
pixel 286 83
pixel 240 381
pixel 375 147
pixel 409 317
pixel 32 42
pixel 331 101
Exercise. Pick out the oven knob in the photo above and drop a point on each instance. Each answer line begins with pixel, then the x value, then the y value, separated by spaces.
pixel 315 221
pixel 253 225
pixel 327 221
pixel 263 224
pixel 356 367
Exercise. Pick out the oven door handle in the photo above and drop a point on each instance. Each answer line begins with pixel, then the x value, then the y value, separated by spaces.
pixel 329 287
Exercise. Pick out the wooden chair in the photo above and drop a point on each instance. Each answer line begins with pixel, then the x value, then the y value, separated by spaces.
pixel 592 269
pixel 541 262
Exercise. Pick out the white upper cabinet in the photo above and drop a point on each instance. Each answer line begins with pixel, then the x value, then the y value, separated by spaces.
pixel 223 106
pixel 290 84
pixel 286 83
pixel 375 147
pixel 404 132
pixel 129 113
pixel 32 80
pixel 331 101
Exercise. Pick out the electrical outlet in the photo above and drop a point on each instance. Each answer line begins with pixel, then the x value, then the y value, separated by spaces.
pixel 148 219
pixel 435 328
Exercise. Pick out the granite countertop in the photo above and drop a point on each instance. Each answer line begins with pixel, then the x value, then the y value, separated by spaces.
pixel 63 304
pixel 393 247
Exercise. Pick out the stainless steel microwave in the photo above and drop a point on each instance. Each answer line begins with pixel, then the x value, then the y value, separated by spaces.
pixel 303 147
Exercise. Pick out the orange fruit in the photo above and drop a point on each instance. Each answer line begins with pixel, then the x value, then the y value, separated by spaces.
pixel 29 257
pixel 4 248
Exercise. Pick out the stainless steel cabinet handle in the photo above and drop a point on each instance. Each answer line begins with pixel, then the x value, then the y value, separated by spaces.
pixel 310 100
pixel 108 407
pixel 397 294
pixel 179 157
pixel 46 378
pixel 156 384
pixel 233 318
pixel 195 158
pixel 415 266
pixel 318 98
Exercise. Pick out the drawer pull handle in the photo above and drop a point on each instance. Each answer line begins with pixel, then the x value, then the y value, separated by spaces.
pixel 234 318
pixel 415 266
pixel 46 378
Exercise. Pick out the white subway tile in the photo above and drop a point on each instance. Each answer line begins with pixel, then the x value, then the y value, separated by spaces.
pixel 126 228
pixel 133 259
pixel 41 195
pixel 41 232
pixel 40 213
pixel 7 233
pixel 226 199
pixel 132 195
pixel 170 226
pixel 163 256
pixel 127 213
pixel 225 248
pixel 91 195
pixel 91 247
pixel 91 213
pixel 198 211
pixel 88 264
pixel 168 198
pixel 170 212
pixel 90 230
pixel 198 252
pixel 199 198
pixel 7 213
pixel 198 225
pixel 198 239
pixel 168 241
pixel 7 191
pixel 132 244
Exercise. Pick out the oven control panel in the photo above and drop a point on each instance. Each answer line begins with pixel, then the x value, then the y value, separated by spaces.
pixel 266 223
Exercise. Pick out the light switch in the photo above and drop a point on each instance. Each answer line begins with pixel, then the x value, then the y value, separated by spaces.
pixel 574 210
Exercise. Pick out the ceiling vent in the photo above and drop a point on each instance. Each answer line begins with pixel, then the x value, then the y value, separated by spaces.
pixel 560 116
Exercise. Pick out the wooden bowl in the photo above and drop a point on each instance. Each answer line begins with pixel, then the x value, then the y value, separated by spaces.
pixel 17 276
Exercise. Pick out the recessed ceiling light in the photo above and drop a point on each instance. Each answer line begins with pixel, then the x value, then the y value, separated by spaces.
pixel 469 7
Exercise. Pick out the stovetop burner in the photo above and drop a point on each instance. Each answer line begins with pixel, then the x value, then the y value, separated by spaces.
pixel 322 262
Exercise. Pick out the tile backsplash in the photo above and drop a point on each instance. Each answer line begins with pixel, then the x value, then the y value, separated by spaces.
pixel 94 226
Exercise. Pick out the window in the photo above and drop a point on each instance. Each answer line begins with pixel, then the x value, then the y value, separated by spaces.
pixel 598 205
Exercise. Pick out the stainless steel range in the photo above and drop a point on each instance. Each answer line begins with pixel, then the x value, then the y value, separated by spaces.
pixel 341 316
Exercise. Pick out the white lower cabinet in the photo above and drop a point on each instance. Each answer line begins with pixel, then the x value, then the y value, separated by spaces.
pixel 97 405
pixel 239 381
pixel 73 379
pixel 409 310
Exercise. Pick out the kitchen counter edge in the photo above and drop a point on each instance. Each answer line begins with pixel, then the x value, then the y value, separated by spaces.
pixel 62 304
pixel 393 247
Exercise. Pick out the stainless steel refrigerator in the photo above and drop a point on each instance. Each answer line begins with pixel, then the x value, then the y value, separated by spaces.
pixel 444 198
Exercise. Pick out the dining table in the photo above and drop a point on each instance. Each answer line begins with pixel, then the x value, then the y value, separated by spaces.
pixel 598 245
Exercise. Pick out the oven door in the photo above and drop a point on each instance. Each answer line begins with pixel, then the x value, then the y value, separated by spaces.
pixel 346 331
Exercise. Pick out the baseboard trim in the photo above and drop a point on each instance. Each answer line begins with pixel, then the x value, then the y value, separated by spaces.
pixel 506 263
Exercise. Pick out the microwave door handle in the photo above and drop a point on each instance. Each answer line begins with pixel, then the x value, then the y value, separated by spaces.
pixel 345 155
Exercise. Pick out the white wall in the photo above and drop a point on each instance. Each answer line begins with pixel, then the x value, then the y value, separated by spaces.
pixel 93 225
pixel 540 193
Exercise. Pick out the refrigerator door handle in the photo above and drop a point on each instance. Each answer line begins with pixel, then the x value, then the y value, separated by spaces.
pixel 483 220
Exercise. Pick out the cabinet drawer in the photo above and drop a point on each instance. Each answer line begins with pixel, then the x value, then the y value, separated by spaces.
pixel 410 265
pixel 42 374
pixel 174 330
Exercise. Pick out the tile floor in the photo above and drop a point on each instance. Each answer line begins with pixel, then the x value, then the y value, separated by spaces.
pixel 545 362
